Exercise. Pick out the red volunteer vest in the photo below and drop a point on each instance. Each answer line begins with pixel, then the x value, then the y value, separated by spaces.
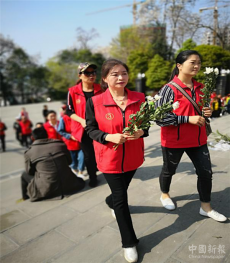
pixel 71 144
pixel 79 103
pixel 52 133
pixel 109 117
pixel 184 135
pixel 25 127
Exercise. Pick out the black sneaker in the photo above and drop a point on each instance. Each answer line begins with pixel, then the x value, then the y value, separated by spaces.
pixel 93 183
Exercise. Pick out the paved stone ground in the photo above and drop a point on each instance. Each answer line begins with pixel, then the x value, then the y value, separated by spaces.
pixel 81 229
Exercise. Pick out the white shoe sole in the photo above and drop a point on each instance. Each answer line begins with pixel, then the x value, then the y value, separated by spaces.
pixel 168 206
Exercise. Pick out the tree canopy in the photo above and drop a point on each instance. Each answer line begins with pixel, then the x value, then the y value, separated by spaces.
pixel 158 72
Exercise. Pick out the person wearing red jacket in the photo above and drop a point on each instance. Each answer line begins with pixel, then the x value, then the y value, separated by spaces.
pixel 64 128
pixel 26 131
pixel 183 130
pixel 77 97
pixel 106 116
pixel 51 126
pixel 2 135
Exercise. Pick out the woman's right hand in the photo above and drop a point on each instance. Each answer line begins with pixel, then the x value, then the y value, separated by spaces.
pixel 117 138
pixel 83 123
pixel 197 120
pixel 72 138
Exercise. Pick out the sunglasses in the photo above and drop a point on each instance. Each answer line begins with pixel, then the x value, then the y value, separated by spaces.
pixel 89 73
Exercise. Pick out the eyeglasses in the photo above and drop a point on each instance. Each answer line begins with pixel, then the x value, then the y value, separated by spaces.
pixel 89 73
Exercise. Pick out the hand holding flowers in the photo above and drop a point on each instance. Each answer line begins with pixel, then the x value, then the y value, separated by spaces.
pixel 148 113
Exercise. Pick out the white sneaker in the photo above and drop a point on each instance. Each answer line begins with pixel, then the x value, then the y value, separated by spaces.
pixel 168 203
pixel 113 214
pixel 214 215
pixel 81 176
pixel 74 171
pixel 130 254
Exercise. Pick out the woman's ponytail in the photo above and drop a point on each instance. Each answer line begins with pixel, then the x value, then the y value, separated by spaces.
pixel 174 73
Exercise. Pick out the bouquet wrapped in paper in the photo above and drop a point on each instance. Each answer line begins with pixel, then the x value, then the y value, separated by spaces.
pixel 148 113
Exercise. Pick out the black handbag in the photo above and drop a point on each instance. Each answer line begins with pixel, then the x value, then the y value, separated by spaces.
pixel 197 108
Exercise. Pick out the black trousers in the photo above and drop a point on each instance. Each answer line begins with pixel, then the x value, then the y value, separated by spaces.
pixel 26 140
pixel 118 201
pixel 200 158
pixel 18 137
pixel 25 180
pixel 89 156
pixel 3 142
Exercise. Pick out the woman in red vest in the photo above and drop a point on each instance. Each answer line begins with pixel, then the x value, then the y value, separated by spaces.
pixel 77 97
pixel 64 128
pixel 26 130
pixel 106 116
pixel 183 130
pixel 51 125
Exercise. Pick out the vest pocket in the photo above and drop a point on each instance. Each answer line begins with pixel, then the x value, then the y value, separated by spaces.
pixel 101 153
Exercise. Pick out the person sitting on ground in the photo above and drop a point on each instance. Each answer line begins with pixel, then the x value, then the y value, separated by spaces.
pixel 38 125
pixel 47 174
pixel 51 125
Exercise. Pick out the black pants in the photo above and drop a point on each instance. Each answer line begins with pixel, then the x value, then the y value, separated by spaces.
pixel 18 137
pixel 118 201
pixel 25 180
pixel 200 158
pixel 26 140
pixel 89 156
pixel 3 142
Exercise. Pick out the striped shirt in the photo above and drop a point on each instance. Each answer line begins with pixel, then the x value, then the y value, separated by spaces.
pixel 171 118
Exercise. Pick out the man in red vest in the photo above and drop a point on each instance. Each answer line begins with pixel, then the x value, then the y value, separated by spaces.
pixel 51 125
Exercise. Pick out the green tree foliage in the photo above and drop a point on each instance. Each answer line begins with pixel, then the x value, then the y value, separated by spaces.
pixel 61 75
pixel 38 81
pixel 188 44
pixel 128 40
pixel 63 68
pixel 158 72
pixel 212 56
pixel 137 63
pixel 18 70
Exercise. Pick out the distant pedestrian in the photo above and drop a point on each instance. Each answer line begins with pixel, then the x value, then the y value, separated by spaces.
pixel 45 112
pixel 24 113
pixel 215 106
pixel 227 103
pixel 26 130
pixel 2 135
pixel 51 125
pixel 183 130
pixel 18 130
pixel 106 116
pixel 77 97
